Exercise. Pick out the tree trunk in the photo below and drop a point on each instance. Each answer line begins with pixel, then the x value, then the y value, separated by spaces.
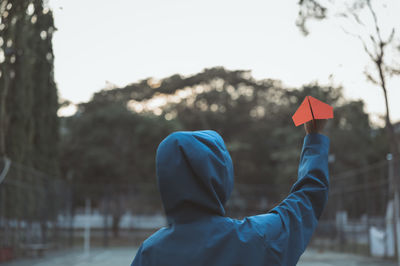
pixel 115 225
pixel 394 150
pixel 393 143
pixel 3 116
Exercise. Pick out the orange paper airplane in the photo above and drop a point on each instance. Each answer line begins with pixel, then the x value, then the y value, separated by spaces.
pixel 311 109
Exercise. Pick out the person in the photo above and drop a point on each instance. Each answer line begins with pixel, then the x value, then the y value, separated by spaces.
pixel 195 179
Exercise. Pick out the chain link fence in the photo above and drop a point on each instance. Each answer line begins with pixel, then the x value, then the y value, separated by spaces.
pixel 30 202
pixel 40 212
pixel 359 216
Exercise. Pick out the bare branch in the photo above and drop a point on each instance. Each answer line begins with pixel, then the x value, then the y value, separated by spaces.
pixel 374 16
pixel 357 18
pixel 373 58
pixel 376 45
pixel 370 54
pixel 309 9
pixel 342 15
pixel 372 38
pixel 392 71
pixel 391 37
pixel 371 78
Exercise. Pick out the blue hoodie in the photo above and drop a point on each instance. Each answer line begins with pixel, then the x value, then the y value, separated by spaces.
pixel 195 179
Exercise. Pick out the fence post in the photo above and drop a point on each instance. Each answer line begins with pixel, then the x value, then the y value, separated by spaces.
pixel 397 223
pixel 87 227
pixel 70 209
pixel 393 182
pixel 368 204
pixel 105 217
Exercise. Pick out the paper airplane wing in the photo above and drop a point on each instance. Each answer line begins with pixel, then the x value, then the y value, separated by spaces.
pixel 320 109
pixel 312 108
pixel 303 113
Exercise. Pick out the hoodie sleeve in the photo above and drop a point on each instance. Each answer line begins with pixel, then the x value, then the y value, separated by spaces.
pixel 287 228
pixel 138 260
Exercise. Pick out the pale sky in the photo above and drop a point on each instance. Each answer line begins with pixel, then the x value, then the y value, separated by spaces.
pixel 123 41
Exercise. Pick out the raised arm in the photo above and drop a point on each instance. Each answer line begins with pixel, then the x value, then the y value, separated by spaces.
pixel 287 228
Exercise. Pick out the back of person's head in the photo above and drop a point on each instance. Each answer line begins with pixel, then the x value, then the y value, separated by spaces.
pixel 194 174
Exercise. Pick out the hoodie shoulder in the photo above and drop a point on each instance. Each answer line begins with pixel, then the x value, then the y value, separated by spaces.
pixel 144 254
pixel 155 238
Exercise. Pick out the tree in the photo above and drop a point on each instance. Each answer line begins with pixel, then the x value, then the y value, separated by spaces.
pixel 382 50
pixel 28 98
pixel 110 150
pixel 254 117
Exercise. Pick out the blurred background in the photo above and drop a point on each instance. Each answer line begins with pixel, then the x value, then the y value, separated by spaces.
pixel 88 89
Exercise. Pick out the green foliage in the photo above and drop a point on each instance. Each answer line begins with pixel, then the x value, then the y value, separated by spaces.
pixel 28 94
pixel 254 118
pixel 111 146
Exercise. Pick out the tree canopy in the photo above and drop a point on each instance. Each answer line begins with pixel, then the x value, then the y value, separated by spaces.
pixel 114 136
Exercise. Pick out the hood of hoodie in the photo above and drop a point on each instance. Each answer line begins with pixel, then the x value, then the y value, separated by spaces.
pixel 194 174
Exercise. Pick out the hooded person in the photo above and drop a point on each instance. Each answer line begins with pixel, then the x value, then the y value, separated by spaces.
pixel 195 179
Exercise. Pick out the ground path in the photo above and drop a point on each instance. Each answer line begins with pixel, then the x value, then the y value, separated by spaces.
pixel 124 256
pixel 314 258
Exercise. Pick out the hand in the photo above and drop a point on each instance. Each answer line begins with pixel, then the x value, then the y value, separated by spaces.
pixel 315 126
